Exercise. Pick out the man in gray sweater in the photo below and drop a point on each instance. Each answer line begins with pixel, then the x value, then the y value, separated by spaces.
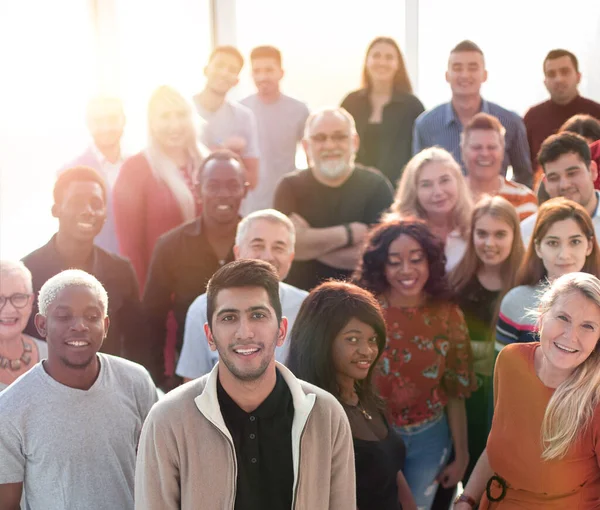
pixel 248 435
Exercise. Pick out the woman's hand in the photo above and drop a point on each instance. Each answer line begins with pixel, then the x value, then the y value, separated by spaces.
pixel 453 472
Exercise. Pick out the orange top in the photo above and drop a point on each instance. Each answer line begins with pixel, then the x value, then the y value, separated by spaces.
pixel 514 445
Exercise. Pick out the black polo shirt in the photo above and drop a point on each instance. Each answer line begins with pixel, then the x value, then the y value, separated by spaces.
pixel 263 449
pixel 363 197
pixel 182 263
pixel 125 337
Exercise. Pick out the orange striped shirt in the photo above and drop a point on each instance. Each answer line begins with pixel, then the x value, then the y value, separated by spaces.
pixel 520 196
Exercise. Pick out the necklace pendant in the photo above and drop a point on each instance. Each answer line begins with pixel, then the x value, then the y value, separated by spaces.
pixel 4 362
pixel 366 415
pixel 26 358
pixel 15 364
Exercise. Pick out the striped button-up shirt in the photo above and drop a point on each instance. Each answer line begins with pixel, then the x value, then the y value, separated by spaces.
pixel 441 126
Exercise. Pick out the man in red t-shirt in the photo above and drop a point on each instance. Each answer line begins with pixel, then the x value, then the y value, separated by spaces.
pixel 595 150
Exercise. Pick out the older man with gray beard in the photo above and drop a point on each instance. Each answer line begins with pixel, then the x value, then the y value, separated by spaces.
pixel 333 203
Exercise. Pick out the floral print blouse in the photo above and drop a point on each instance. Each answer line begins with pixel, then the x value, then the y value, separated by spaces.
pixel 426 361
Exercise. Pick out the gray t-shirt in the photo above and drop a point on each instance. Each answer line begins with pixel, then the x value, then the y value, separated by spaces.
pixel 196 357
pixel 280 128
pixel 75 449
pixel 230 119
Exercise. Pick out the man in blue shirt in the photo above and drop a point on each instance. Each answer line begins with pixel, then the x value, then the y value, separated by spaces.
pixel 443 125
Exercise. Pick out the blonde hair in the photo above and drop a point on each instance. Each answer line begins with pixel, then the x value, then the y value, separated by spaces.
pixel 164 168
pixel 500 208
pixel 70 278
pixel 576 399
pixel 406 202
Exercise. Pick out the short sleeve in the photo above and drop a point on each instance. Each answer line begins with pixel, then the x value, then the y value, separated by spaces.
pixel 12 465
pixel 195 359
pixel 251 131
pixel 458 379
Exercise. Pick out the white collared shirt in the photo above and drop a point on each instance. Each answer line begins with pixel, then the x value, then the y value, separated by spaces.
pixel 110 170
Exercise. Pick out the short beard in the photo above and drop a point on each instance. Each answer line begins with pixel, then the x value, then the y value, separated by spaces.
pixel 78 366
pixel 246 376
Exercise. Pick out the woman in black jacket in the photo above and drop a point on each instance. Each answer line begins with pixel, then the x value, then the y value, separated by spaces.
pixel 384 110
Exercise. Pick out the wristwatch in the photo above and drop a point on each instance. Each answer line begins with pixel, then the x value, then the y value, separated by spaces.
pixel 465 498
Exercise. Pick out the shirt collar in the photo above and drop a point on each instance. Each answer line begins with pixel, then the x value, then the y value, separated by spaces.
pixel 275 403
pixel 597 203
pixel 450 114
pixel 102 158
pixel 91 263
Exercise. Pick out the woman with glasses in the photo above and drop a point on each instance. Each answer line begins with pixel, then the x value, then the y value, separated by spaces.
pixel 18 352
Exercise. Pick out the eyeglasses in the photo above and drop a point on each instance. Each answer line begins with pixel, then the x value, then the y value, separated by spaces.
pixel 17 300
pixel 335 137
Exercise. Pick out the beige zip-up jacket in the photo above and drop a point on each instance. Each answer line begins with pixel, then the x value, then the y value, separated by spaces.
pixel 186 458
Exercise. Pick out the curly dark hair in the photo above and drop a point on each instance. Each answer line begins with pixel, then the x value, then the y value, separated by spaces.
pixel 323 314
pixel 371 270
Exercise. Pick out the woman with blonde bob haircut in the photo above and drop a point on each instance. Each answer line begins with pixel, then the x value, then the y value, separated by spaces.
pixel 485 274
pixel 155 190
pixel 432 187
pixel 547 408
pixel 563 241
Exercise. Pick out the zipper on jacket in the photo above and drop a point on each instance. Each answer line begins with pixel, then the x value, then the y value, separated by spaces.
pixel 232 451
pixel 300 458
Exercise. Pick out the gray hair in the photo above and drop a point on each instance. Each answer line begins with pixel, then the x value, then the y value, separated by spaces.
pixel 70 278
pixel 17 268
pixel 269 215
pixel 338 112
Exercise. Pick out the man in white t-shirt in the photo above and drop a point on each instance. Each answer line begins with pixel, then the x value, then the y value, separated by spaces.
pixel 69 428
pixel 228 124
pixel 264 235
pixel 568 172
pixel 280 120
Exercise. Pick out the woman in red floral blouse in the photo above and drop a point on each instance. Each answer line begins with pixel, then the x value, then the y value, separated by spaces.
pixel 426 368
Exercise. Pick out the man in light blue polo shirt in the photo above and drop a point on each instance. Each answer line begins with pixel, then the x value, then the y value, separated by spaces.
pixel 265 235
pixel 443 125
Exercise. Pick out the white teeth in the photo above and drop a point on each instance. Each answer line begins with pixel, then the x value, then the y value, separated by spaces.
pixel 408 283
pixel 77 343
pixel 563 348
pixel 85 225
pixel 246 352
pixel 223 207
pixel 363 363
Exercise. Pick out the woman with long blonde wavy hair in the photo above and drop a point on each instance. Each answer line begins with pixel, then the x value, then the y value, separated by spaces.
pixel 432 188
pixel 543 451
pixel 155 191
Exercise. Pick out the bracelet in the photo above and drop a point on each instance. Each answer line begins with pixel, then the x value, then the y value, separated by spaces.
pixel 349 235
pixel 465 498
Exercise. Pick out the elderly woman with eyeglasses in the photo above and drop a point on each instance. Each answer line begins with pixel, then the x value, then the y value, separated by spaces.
pixel 18 352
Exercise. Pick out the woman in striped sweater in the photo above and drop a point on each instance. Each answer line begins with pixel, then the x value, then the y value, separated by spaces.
pixel 563 241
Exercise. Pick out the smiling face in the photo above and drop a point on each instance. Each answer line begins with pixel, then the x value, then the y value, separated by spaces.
pixel 245 332
pixel 106 121
pixel 81 212
pixel 269 241
pixel 561 79
pixel 354 351
pixel 569 177
pixel 222 189
pixel 569 331
pixel 492 239
pixel 74 328
pixel 437 189
pixel 222 73
pixel 382 63
pixel 407 271
pixel 563 249
pixel 16 310
pixel 171 125
pixel 266 73
pixel 483 154
pixel 466 73
pixel 331 147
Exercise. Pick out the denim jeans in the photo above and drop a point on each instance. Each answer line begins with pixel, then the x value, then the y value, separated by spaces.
pixel 428 447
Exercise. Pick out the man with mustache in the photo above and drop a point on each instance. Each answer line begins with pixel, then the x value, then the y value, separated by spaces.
pixel 569 172
pixel 80 202
pixel 280 120
pixel 332 203
pixel 249 435
pixel 69 428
